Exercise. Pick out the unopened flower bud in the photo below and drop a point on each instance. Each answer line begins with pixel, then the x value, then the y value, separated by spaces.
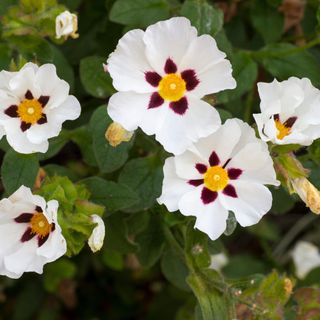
pixel 67 25
pixel 116 134
pixel 96 239
pixel 308 193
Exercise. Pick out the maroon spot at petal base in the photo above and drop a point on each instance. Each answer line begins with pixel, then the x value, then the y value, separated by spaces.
pixel 208 196
pixel 43 119
pixel 25 126
pixel 24 218
pixel 153 78
pixel 196 182
pixel 27 235
pixel 155 101
pixel 29 95
pixel 230 191
pixel 202 168
pixel 226 163
pixel 234 173
pixel 42 240
pixel 12 111
pixel 290 122
pixel 276 117
pixel 53 227
pixel 179 107
pixel 214 159
pixel 38 209
pixel 189 76
pixel 170 66
pixel 44 100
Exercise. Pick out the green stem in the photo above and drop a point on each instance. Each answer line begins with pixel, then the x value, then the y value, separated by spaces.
pixel 249 105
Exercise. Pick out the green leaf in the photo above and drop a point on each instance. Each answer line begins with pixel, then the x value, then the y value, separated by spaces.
pixel 5 56
pixel 55 145
pixel 145 178
pixel 117 235
pixel 245 71
pixel 215 302
pixel 19 169
pixel 113 259
pixel 139 12
pixel 93 78
pixel 151 242
pixel 206 18
pixel 57 271
pixel 174 269
pixel 108 158
pixel 114 196
pixel 267 21
pixel 284 61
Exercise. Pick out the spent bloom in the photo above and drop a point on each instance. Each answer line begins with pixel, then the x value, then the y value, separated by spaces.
pixel 67 25
pixel 161 75
pixel 306 257
pixel 30 235
pixel 34 102
pixel 223 172
pixel 116 134
pixel 290 112
pixel 96 239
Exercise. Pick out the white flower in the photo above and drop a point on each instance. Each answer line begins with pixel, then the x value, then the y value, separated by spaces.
pixel 30 235
pixel 306 257
pixel 34 104
pixel 67 25
pixel 224 171
pixel 290 112
pixel 218 261
pixel 161 75
pixel 96 239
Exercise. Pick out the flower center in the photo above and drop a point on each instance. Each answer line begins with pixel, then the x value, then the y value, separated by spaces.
pixel 216 178
pixel 30 111
pixel 172 87
pixel 282 129
pixel 40 225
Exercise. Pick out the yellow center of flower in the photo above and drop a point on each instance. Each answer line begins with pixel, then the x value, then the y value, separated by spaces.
pixel 282 130
pixel 30 111
pixel 216 178
pixel 40 225
pixel 172 87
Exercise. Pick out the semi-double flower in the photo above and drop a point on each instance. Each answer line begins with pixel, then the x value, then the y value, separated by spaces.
pixel 223 172
pixel 161 75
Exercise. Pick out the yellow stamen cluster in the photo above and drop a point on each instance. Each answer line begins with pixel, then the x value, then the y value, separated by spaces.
pixel 40 225
pixel 282 130
pixel 216 178
pixel 172 87
pixel 30 111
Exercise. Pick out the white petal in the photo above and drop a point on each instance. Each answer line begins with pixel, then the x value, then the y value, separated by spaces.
pixel 18 140
pixel 211 218
pixel 222 141
pixel 186 165
pixel 254 201
pixel 178 132
pixel 173 188
pixel 128 108
pixel 96 238
pixel 128 63
pixel 168 39
pixel 24 194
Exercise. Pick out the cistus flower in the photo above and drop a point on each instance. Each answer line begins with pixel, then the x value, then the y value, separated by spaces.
pixel 30 235
pixel 33 105
pixel 96 239
pixel 224 171
pixel 67 25
pixel 306 257
pixel 290 112
pixel 161 75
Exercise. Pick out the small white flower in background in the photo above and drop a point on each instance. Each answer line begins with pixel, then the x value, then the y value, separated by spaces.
pixel 67 25
pixel 36 104
pixel 30 235
pixel 224 171
pixel 290 112
pixel 161 75
pixel 218 261
pixel 306 257
pixel 96 239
